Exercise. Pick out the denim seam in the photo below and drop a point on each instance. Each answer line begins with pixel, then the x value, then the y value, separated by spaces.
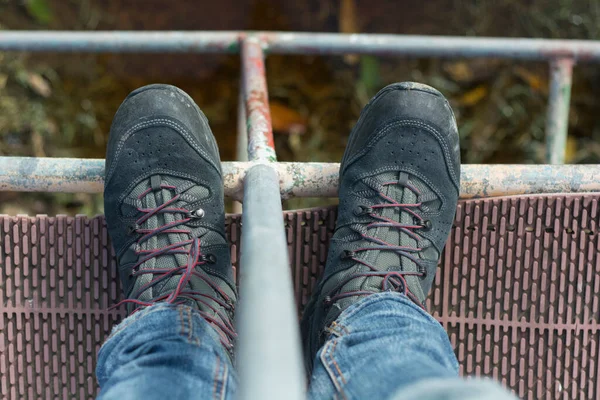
pixel 224 380
pixel 190 325
pixel 215 379
pixel 181 325
pixel 336 375
pixel 326 365
pixel 337 367
pixel 336 396
pixel 330 330
pixel 337 329
pixel 194 338
pixel 219 378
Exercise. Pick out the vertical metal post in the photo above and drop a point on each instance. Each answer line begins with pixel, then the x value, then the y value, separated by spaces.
pixel 261 146
pixel 269 352
pixel 557 120
pixel 242 131
pixel 242 136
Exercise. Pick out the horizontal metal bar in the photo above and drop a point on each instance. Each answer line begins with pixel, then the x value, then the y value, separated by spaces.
pixel 121 41
pixel 427 46
pixel 31 174
pixel 296 179
pixel 300 43
pixel 269 355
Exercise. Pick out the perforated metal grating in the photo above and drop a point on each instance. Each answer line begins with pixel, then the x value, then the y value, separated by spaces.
pixel 518 292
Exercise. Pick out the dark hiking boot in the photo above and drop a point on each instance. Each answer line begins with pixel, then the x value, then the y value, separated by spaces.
pixel 163 200
pixel 399 185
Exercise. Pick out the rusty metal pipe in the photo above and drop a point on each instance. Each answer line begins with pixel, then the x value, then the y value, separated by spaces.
pixel 27 174
pixel 121 41
pixel 261 146
pixel 557 120
pixel 31 174
pixel 431 46
pixel 242 138
pixel 299 43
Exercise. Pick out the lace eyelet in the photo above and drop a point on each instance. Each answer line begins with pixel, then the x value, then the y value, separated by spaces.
pixel 361 210
pixel 132 229
pixel 426 225
pixel 209 258
pixel 197 214
pixel 347 254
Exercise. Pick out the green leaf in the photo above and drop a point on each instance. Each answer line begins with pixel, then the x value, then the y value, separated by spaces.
pixel 39 10
pixel 370 74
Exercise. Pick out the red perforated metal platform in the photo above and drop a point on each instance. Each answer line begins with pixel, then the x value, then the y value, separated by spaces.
pixel 518 291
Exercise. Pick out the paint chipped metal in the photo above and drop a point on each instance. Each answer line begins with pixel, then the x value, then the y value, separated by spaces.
pixel 557 119
pixel 299 43
pixel 297 179
pixel 261 146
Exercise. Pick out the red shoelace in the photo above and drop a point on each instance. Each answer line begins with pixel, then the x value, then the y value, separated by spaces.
pixel 392 280
pixel 195 258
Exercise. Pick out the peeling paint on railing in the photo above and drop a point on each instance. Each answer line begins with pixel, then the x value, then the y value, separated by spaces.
pixel 298 179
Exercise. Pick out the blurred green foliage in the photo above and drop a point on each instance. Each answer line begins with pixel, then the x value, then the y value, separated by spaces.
pixel 39 10
pixel 62 105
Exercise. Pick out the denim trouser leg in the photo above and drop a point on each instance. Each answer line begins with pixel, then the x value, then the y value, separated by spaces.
pixel 164 352
pixel 385 347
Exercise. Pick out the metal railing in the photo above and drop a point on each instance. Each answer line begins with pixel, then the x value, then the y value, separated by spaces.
pixel 561 54
pixel 270 359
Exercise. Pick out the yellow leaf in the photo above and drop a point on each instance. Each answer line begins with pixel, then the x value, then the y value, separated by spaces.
pixel 570 149
pixel 532 80
pixel 473 96
pixel 39 85
pixel 286 120
pixel 459 71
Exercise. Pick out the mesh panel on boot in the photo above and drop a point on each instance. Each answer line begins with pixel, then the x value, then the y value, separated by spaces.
pixel 387 260
pixel 154 199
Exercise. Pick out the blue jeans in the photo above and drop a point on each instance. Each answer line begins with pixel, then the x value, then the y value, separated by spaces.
pixel 382 347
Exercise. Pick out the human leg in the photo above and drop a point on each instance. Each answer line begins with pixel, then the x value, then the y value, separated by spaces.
pixel 165 214
pixel 367 332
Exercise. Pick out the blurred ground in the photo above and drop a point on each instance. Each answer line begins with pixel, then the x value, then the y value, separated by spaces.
pixel 62 104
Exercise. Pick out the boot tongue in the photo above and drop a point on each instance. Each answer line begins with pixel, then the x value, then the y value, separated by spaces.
pixel 387 260
pixel 157 196
pixel 168 261
pixel 390 260
pixel 152 193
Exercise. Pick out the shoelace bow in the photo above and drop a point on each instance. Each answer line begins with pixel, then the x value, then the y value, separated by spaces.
pixel 392 280
pixel 195 258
